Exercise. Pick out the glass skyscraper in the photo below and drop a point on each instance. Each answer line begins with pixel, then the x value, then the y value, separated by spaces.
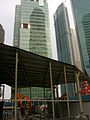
pixel 81 10
pixel 64 42
pixel 32 33
pixel 63 35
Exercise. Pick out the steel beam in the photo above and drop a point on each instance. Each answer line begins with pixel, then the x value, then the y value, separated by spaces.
pixel 67 93
pixel 79 92
pixel 53 108
pixel 16 70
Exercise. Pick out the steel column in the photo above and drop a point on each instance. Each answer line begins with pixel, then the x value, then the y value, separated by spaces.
pixel 79 92
pixel 16 69
pixel 53 108
pixel 68 107
pixel 44 98
pixel 30 92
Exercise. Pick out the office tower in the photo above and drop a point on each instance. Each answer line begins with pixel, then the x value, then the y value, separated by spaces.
pixel 64 41
pixel 81 12
pixel 32 32
pixel 78 60
pixel 2 33
pixel 63 35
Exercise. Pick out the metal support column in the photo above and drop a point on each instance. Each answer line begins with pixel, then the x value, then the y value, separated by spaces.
pixel 79 92
pixel 44 98
pixel 16 69
pixel 30 93
pixel 53 108
pixel 68 107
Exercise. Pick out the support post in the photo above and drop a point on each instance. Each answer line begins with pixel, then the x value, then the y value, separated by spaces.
pixel 79 92
pixel 68 107
pixel 53 108
pixel 30 93
pixel 44 98
pixel 16 69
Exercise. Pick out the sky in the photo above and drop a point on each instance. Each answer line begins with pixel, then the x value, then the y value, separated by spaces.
pixel 7 13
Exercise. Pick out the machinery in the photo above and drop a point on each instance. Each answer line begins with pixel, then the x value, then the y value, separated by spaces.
pixel 20 97
pixel 81 117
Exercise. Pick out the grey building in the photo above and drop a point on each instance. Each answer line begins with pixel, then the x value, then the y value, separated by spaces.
pixel 2 33
pixel 63 35
pixel 64 41
pixel 81 12
pixel 32 33
pixel 78 60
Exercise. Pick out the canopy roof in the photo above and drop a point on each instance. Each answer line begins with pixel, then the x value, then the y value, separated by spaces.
pixel 33 70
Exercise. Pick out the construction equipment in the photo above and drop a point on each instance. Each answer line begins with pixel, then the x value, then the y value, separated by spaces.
pixel 20 97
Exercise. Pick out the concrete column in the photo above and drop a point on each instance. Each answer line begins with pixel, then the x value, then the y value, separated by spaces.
pixel 79 92
pixel 67 93
pixel 53 108
pixel 16 69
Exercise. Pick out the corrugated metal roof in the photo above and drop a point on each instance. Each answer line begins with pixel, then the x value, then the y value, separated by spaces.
pixel 33 70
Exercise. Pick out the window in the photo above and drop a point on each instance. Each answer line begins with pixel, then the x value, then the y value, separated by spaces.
pixel 25 25
pixel 37 0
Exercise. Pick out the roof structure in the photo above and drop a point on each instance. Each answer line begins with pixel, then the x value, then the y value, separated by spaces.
pixel 33 70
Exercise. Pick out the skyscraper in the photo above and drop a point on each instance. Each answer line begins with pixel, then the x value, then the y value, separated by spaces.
pixel 32 32
pixel 81 10
pixel 63 35
pixel 64 41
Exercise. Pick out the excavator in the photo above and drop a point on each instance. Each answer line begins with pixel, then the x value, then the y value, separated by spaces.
pixel 20 97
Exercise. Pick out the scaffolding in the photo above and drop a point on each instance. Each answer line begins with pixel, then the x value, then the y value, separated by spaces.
pixel 31 70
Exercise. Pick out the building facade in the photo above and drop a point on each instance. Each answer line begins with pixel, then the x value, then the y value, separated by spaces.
pixel 63 35
pixel 81 12
pixel 78 60
pixel 2 33
pixel 64 42
pixel 32 33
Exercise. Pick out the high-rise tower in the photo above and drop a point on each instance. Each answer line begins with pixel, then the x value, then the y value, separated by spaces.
pixel 81 10
pixel 64 41
pixel 63 35
pixel 68 49
pixel 32 31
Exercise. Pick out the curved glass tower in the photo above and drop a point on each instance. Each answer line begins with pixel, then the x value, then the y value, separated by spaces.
pixel 63 35
pixel 86 26
pixel 81 10
pixel 64 42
